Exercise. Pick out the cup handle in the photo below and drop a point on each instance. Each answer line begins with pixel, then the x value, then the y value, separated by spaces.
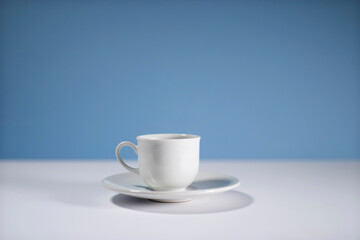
pixel 117 152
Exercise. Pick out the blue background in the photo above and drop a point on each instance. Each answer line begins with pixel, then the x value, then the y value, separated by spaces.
pixel 256 79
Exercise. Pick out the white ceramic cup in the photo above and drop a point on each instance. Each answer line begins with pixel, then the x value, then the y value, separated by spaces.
pixel 167 162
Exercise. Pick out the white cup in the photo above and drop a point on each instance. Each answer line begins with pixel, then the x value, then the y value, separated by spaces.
pixel 167 162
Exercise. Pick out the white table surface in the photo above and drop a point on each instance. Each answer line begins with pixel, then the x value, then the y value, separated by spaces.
pixel 276 200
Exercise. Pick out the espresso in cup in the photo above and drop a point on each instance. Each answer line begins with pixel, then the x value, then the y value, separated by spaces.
pixel 167 162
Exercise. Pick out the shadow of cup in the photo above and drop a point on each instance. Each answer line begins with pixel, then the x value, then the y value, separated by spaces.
pixel 222 202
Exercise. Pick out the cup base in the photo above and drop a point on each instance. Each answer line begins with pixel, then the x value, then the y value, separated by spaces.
pixel 170 190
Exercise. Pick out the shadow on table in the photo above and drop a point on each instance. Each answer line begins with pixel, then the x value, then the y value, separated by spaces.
pixel 223 202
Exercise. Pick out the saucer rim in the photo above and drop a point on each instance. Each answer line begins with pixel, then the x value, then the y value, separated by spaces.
pixel 167 194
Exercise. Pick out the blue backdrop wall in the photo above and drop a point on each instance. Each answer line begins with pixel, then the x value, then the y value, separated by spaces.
pixel 256 79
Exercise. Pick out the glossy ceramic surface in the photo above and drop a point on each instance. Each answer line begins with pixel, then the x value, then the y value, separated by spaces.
pixel 167 162
pixel 205 183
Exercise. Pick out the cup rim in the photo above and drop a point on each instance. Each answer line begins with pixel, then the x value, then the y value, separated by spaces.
pixel 168 137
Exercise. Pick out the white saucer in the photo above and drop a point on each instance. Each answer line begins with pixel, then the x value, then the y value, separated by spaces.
pixel 205 183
